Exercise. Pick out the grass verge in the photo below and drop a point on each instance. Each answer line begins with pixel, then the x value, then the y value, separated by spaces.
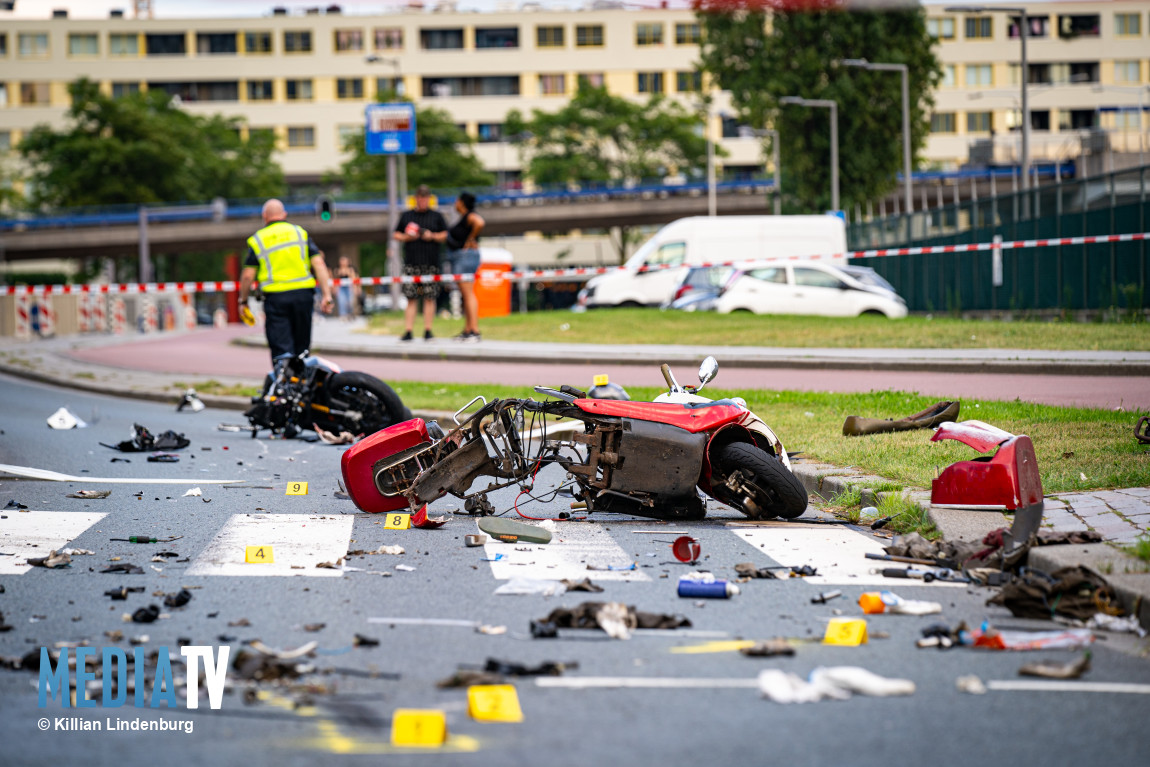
pixel 1140 548
pixel 651 326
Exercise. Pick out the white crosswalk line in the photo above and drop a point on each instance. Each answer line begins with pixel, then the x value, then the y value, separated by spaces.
pixel 298 541
pixel 837 552
pixel 35 533
pixel 571 549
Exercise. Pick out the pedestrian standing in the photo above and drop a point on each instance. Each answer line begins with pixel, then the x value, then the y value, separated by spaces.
pixel 422 232
pixel 463 255
pixel 347 296
pixel 289 266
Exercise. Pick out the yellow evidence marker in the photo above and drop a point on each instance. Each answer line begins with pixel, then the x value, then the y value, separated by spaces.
pixel 848 632
pixel 425 728
pixel 494 703
pixel 397 522
pixel 258 555
pixel 296 488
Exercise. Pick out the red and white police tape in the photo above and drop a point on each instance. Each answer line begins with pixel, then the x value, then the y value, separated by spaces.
pixel 230 286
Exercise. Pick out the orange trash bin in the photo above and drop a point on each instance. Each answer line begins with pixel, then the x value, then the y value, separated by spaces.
pixel 492 288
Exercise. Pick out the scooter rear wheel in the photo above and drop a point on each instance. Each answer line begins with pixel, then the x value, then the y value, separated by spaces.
pixel 380 405
pixel 775 490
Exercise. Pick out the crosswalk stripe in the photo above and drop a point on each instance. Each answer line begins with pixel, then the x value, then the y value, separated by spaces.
pixel 35 533
pixel 298 541
pixel 572 548
pixel 837 552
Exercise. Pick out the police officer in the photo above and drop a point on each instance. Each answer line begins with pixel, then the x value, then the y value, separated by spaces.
pixel 283 258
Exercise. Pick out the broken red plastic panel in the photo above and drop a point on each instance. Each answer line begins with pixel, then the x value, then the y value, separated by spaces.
pixel 686 549
pixel 385 450
pixel 421 520
pixel 1006 481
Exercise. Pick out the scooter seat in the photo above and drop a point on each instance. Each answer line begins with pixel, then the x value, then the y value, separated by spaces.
pixel 689 417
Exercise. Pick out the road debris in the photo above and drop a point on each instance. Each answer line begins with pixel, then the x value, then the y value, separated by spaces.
pixel 54 560
pixel 834 683
pixel 123 567
pixel 970 684
pixel 616 619
pixel 122 592
pixel 993 639
pixel 940 412
pixel 768 649
pixel 825 597
pixel 142 441
pixel 192 401
pixel 705 585
pixel 1073 592
pixel 89 494
pixel 510 531
pixel 146 614
pixel 63 419
pixel 179 599
pixel 1051 670
pixel 194 492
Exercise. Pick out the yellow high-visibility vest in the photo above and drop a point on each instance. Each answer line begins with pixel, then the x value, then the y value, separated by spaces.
pixel 282 250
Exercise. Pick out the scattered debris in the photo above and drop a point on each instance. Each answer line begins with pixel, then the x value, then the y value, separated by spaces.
pixel 491 630
pixel 1051 670
pixel 825 597
pixel 703 584
pixel 146 614
pixel 1074 592
pixel 179 599
pixel 327 437
pixel 76 553
pixel 163 458
pixel 89 494
pixel 123 567
pixel 879 523
pixel 768 649
pixel 190 400
pixel 194 492
pixel 54 560
pixel 122 593
pixel 405 568
pixel 477 539
pixel 314 627
pixel 63 419
pixel 14 504
pixel 4 626
pixel 612 617
pixel 971 685
pixel 857 426
pixel 885 601
pixel 142 441
pixel 835 683
pixel 396 550
pixel 686 549
pixel 749 570
pixel 510 531
pixel 583 585
pixel 421 520
pixel 360 640
pixel 803 571
pixel 265 664
pixel 991 638
pixel 147 539
pixel 1129 624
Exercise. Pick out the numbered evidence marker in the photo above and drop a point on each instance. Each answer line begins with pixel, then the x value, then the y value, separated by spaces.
pixel 493 703
pixel 258 555
pixel 425 728
pixel 848 632
pixel 397 522
pixel 296 488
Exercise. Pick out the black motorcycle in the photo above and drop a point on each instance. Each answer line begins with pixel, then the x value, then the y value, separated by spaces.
pixel 305 392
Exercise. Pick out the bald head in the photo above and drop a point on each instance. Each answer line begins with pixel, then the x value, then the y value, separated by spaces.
pixel 274 211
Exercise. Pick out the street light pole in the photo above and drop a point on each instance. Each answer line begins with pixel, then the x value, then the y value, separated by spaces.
pixel 712 199
pixel 908 190
pixel 834 107
pixel 778 202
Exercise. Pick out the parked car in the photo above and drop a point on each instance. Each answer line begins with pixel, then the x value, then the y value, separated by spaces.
pixel 700 288
pixel 811 287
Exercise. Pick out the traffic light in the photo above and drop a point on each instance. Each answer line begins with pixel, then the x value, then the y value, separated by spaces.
pixel 324 208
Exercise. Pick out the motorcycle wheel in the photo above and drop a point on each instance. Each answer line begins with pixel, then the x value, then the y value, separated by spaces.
pixel 779 492
pixel 380 405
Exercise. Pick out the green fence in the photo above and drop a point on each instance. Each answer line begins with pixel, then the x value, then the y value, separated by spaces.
pixel 1079 277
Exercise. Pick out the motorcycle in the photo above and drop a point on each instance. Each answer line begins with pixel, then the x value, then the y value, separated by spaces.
pixel 650 459
pixel 303 392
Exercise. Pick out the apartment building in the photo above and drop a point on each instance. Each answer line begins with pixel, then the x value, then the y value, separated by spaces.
pixel 307 77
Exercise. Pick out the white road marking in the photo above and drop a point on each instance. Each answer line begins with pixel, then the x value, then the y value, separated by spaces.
pixel 837 552
pixel 634 682
pixel 1058 686
pixel 35 533
pixel 55 476
pixel 299 542
pixel 572 548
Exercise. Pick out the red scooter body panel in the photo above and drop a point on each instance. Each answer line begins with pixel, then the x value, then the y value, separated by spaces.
pixel 692 419
pixel 1009 478
pixel 358 464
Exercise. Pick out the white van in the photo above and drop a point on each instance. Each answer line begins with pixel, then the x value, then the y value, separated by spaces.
pixel 706 239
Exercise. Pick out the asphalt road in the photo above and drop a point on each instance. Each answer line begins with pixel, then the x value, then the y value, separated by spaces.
pixel 200 356
pixel 348 713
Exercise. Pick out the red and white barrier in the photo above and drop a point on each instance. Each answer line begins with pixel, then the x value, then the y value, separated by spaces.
pixel 98 317
pixel 150 314
pixel 119 317
pixel 84 313
pixel 47 316
pixel 23 317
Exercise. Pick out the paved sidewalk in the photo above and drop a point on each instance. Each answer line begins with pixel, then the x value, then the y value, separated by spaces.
pixel 1120 516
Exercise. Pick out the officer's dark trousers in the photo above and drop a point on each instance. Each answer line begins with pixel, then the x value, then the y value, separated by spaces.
pixel 288 321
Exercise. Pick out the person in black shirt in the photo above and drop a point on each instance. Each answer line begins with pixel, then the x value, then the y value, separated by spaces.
pixel 422 232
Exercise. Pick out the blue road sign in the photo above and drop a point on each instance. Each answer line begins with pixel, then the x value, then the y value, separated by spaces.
pixel 390 128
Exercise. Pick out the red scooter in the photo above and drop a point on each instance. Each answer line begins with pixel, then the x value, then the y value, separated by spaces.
pixel 648 459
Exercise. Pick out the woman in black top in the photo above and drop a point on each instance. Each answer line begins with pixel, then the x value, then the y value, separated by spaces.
pixel 463 258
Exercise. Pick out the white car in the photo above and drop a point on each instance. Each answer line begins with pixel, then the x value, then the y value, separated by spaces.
pixel 810 287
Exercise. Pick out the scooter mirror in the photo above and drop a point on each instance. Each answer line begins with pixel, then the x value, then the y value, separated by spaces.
pixel 707 371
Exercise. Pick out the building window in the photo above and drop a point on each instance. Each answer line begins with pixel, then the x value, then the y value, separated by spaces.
pixel 496 85
pixel 3 44
pixel 297 41
pixel 588 35
pixel 441 39
pixel 1077 119
pixel 590 79
pixel 978 122
pixel 5 140
pixel 1126 120
pixel 257 42
pixel 490 133
pixel 1077 72
pixel 299 90
pixel 209 90
pixel 349 88
pixel 948 76
pixel 123 45
pixel 549 37
pixel 260 90
pixel 83 44
pixel 3 95
pixel 215 43
pixel 120 90
pixel 1127 71
pixel 688 82
pixel 978 28
pixel 388 38
pixel 301 136
pixel 348 40
pixel 552 85
pixel 648 34
pixel 1128 24
pixel 650 82
pixel 34 94
pixel 30 45
pixel 497 37
pixel 979 74
pixel 346 135
pixel 942 28
pixel 687 33
pixel 1039 26
pixel 388 85
pixel 166 44
pixel 1070 27
pixel 942 122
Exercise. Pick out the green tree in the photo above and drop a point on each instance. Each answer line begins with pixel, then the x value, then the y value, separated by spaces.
pixel 760 56
pixel 444 158
pixel 597 137
pixel 144 149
